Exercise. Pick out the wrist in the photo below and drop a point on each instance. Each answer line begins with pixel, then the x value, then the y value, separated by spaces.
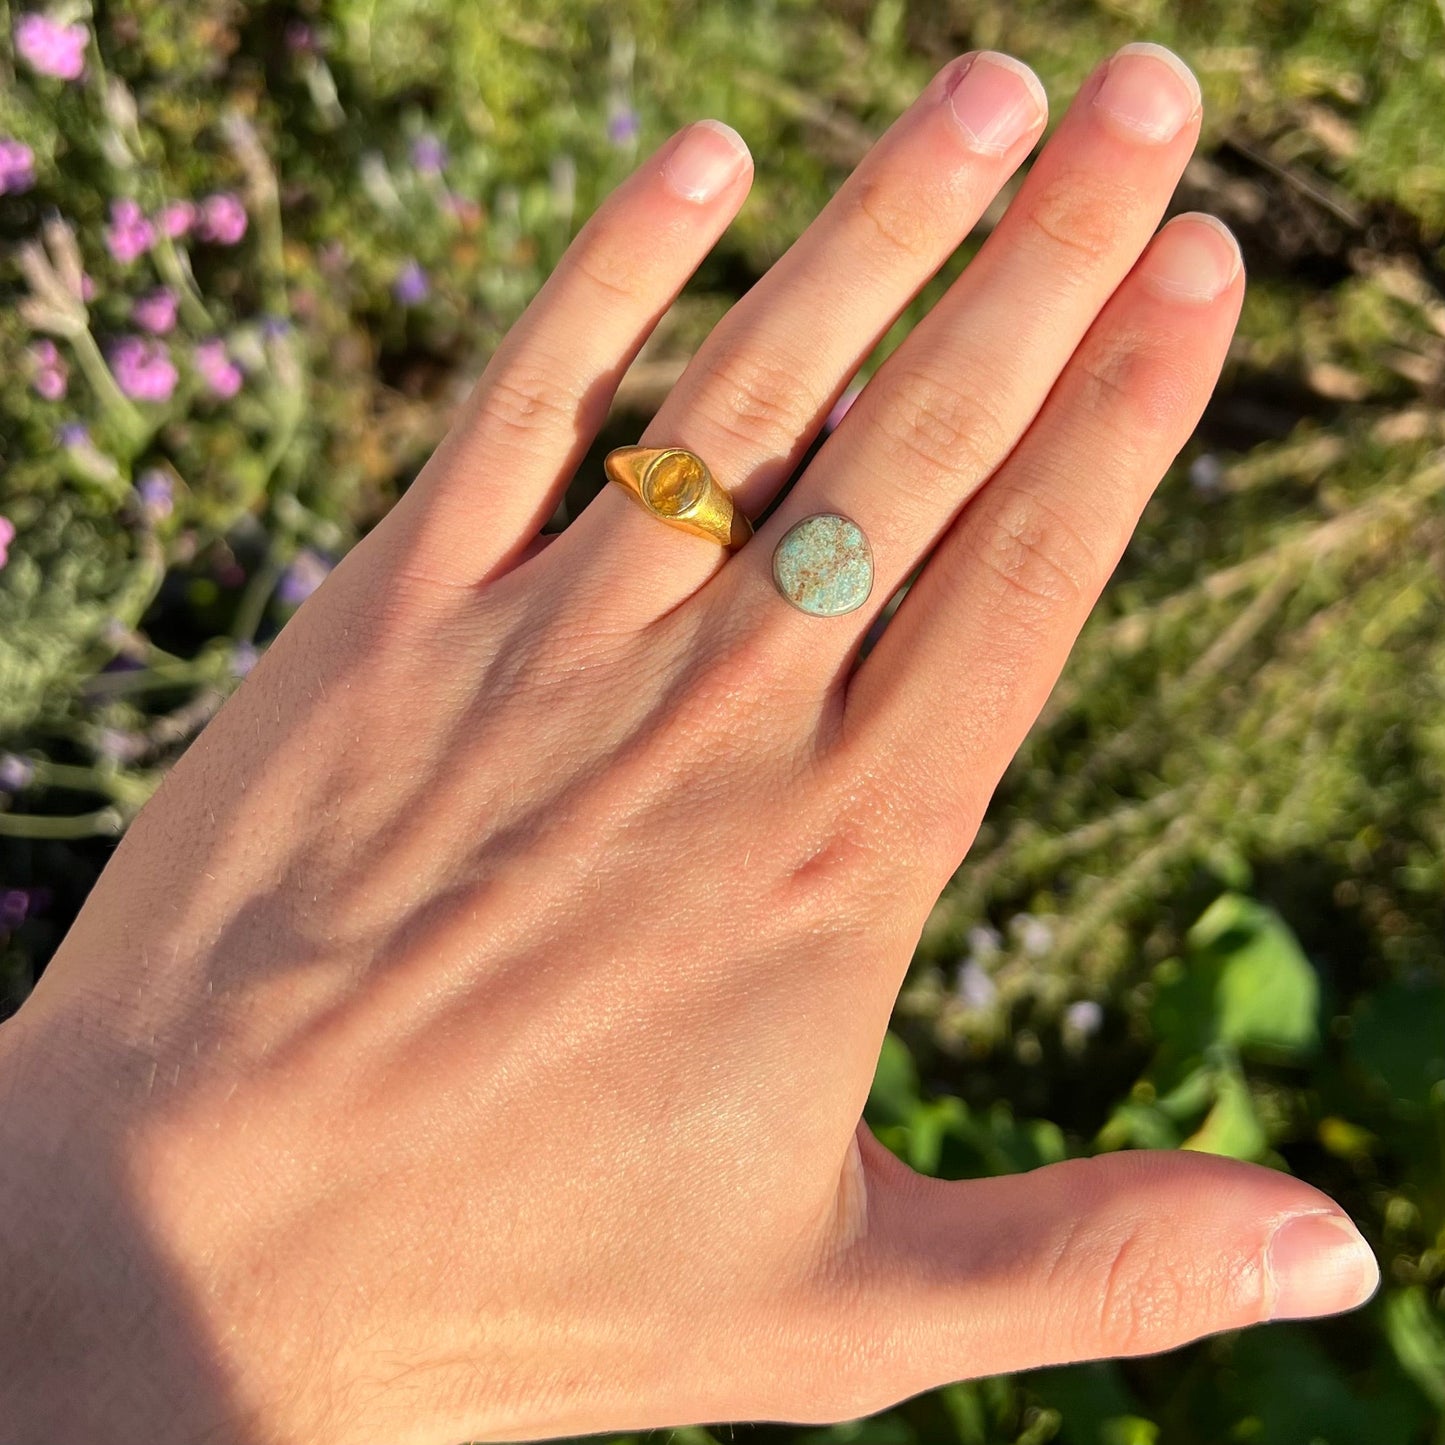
pixel 92 1345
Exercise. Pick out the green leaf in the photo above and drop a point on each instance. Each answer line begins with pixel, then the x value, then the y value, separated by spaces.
pixel 894 1097
pixel 1092 1398
pixel 1231 1127
pixel 1128 1430
pixel 966 1412
pixel 1296 1395
pixel 1399 1038
pixel 1138 1126
pixel 880 1430
pixel 1417 1336
pixel 1267 993
pixel 932 1126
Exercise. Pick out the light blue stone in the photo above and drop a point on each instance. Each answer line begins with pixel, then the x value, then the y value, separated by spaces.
pixel 824 565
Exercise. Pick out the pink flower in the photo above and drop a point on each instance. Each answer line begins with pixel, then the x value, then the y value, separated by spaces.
pixel 222 219
pixel 217 370
pixel 7 536
pixel 143 369
pixel 17 167
pixel 300 38
pixel 308 570
pixel 50 48
pixel 156 311
pixel 51 379
pixel 177 218
pixel 129 235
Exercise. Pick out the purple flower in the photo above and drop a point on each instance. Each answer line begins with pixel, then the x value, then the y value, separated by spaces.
pixel 411 286
pixel 14 905
pixel 243 658
pixel 177 218
pixel 156 494
pixel 156 311
pixel 222 219
pixel 119 746
pixel 7 536
pixel 308 570
pixel 428 154
pixel 17 166
pixel 623 126
pixel 72 434
pixel 51 379
pixel 129 235
pixel 300 38
pixel 49 47
pixel 217 370
pixel 15 773
pixel 144 369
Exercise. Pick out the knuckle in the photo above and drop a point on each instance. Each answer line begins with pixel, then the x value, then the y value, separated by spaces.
pixel 749 396
pixel 943 427
pixel 854 843
pixel 1080 215
pixel 895 224
pixel 1141 1301
pixel 1135 388
pixel 1036 554
pixel 614 264
pixel 522 404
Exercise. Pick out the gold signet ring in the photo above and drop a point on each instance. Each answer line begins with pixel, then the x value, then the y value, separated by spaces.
pixel 676 487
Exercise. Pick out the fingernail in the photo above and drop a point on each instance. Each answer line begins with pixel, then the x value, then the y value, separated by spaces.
pixel 709 156
pixel 997 100
pixel 1149 92
pixel 1317 1264
pixel 1193 258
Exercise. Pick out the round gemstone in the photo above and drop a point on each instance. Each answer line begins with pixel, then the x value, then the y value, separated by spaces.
pixel 674 483
pixel 824 565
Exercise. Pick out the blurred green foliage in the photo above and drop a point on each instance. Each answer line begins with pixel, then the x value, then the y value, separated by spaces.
pixel 1207 908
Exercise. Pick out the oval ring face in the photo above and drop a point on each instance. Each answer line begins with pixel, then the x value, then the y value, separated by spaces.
pixel 674 483
pixel 824 565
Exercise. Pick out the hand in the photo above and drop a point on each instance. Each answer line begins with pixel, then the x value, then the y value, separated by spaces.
pixel 471 1037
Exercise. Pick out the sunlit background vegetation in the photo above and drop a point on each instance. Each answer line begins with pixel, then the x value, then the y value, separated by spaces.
pixel 252 254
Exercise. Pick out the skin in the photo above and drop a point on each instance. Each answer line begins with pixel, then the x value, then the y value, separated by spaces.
pixel 470 1039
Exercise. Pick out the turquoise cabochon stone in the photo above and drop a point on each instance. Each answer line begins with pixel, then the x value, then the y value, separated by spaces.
pixel 824 565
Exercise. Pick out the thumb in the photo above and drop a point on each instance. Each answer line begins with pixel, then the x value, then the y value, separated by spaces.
pixel 1124 1254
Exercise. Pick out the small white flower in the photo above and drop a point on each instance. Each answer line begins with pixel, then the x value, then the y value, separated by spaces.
pixel 1034 935
pixel 984 942
pixel 975 990
pixel 1083 1018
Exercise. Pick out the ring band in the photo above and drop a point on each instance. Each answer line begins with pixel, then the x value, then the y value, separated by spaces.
pixel 676 486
